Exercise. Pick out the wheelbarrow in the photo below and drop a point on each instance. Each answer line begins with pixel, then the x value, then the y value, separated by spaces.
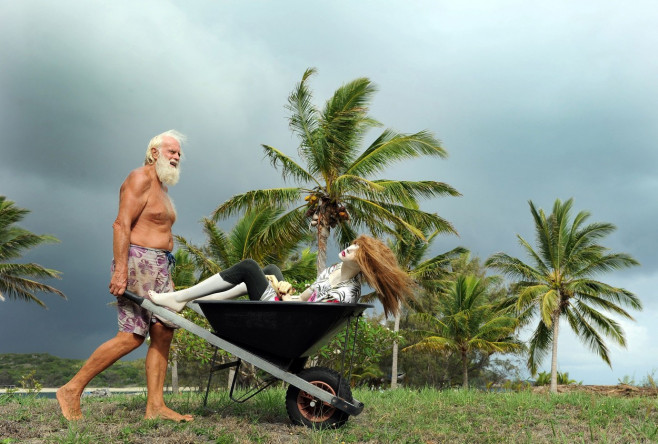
pixel 278 337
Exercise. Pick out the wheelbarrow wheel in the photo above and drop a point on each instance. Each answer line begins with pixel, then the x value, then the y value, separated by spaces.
pixel 304 409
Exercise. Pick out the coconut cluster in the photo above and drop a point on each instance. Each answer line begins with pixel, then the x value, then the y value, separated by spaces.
pixel 332 211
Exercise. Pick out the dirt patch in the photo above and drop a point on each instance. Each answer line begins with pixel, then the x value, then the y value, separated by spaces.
pixel 9 429
pixel 621 390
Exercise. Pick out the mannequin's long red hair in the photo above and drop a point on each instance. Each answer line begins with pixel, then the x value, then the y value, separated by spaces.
pixel 381 271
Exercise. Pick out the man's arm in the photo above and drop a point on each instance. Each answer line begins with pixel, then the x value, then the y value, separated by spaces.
pixel 132 200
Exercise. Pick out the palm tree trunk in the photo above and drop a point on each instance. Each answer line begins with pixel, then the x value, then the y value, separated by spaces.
pixel 445 378
pixel 174 376
pixel 464 370
pixel 556 330
pixel 323 236
pixel 231 375
pixel 394 365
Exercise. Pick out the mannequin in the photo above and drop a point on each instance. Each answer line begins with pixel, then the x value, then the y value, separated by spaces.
pixel 367 258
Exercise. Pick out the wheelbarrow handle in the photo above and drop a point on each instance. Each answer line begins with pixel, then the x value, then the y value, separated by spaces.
pixel 133 297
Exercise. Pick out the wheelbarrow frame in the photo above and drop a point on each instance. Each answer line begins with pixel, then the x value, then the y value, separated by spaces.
pixel 351 408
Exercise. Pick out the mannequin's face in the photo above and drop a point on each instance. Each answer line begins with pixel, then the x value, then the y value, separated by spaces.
pixel 348 254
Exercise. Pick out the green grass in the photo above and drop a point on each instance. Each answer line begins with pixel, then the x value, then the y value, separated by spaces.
pixel 404 416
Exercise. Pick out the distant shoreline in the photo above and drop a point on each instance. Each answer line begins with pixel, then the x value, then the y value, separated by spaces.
pixel 92 389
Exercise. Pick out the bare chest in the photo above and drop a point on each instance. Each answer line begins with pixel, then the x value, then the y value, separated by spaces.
pixel 159 208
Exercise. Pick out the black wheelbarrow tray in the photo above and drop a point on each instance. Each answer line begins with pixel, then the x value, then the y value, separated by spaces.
pixel 278 337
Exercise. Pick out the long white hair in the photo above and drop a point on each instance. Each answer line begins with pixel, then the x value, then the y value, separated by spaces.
pixel 156 142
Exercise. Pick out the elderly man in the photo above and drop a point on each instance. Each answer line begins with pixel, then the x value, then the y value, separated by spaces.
pixel 142 261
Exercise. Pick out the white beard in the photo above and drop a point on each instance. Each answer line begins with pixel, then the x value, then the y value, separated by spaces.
pixel 167 173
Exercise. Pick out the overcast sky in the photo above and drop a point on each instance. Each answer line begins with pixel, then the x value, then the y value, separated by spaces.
pixel 532 100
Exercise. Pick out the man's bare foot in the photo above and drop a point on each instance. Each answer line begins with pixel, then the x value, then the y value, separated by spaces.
pixel 165 412
pixel 69 402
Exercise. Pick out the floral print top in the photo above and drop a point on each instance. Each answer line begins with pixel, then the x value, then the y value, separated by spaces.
pixel 347 291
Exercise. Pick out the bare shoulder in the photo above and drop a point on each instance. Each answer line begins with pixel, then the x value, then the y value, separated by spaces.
pixel 139 180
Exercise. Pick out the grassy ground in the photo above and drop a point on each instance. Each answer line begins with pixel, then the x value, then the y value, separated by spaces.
pixel 404 416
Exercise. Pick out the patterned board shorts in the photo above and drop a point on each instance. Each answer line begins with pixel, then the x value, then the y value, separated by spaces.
pixel 148 269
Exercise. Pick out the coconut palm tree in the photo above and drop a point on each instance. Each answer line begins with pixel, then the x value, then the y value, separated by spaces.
pixel 336 188
pixel 467 322
pixel 560 283
pixel 18 281
pixel 429 274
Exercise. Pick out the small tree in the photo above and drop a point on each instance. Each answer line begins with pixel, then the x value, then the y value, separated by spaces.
pixel 429 273
pixel 467 322
pixel 372 342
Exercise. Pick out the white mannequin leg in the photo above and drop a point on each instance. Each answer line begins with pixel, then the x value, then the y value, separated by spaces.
pixel 176 300
pixel 231 293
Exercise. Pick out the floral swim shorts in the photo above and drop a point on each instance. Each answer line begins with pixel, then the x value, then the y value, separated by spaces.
pixel 148 269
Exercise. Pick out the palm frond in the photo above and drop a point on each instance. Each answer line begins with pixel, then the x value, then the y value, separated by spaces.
pixel 14 241
pixel 540 343
pixel 257 198
pixel 218 244
pixel 183 275
pixel 204 262
pixel 304 117
pixel 530 294
pixel 405 216
pixel 29 270
pixel 362 212
pixel 343 122
pixel 544 231
pixel 345 234
pixel 10 213
pixel 511 266
pixel 437 266
pixel 549 303
pixel 15 286
pixel 588 335
pixel 282 234
pixel 289 168
pixel 587 289
pixel 607 263
pixel 432 344
pixel 599 302
pixel 246 232
pixel 541 265
pixel 391 147
pixel 405 192
pixel 608 326
pixel 301 268
pixel 494 346
pixel 587 236
pixel 351 184
pixel 496 327
pixel 507 346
